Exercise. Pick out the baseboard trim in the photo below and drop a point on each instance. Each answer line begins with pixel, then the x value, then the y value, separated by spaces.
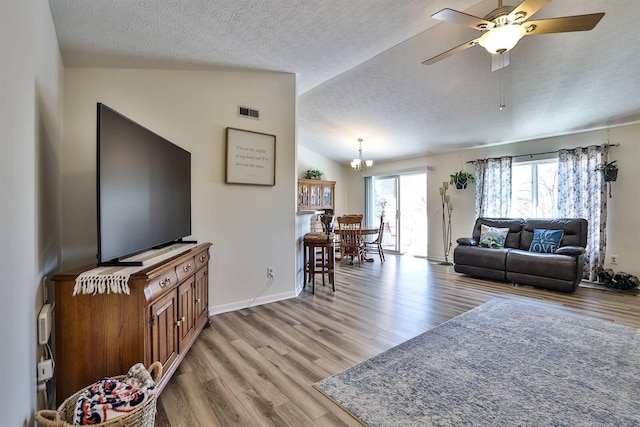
pixel 239 305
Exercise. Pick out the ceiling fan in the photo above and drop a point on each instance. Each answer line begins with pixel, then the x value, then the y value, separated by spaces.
pixel 503 27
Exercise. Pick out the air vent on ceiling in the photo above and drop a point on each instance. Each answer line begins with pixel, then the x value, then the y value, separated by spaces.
pixel 248 112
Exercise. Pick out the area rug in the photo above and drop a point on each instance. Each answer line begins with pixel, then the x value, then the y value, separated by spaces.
pixel 500 364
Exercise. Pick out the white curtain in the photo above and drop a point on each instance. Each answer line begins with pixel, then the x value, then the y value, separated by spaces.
pixel 493 187
pixel 582 194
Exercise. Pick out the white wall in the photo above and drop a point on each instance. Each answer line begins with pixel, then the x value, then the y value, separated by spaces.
pixel 31 123
pixel 623 227
pixel 251 227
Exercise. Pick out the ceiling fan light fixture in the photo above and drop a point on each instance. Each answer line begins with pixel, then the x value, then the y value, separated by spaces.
pixel 502 28
pixel 502 39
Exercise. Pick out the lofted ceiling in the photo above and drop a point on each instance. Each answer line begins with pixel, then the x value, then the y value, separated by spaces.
pixel 359 66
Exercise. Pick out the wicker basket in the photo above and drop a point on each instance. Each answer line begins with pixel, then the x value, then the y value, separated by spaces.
pixel 144 416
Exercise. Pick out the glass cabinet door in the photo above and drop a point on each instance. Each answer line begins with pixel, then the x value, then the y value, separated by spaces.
pixel 303 195
pixel 327 197
pixel 315 196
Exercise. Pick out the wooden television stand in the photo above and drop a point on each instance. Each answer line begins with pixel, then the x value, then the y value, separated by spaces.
pixel 103 335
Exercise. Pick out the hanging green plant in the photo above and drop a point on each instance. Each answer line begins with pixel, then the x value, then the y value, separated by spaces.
pixel 461 179
pixel 609 169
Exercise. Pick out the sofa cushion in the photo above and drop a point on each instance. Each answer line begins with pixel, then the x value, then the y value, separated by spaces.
pixel 513 224
pixel 491 259
pixel 545 241
pixel 492 237
pixel 561 267
pixel 575 231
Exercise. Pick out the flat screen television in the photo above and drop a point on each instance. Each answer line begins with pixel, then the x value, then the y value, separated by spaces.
pixel 144 188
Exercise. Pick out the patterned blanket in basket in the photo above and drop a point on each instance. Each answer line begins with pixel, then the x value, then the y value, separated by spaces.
pixel 110 397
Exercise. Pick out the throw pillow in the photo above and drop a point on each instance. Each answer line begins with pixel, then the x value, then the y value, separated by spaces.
pixel 545 241
pixel 492 237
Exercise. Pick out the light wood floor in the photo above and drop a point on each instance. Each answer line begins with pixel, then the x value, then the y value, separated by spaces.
pixel 256 367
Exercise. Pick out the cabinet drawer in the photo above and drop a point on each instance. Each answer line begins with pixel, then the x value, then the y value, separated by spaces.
pixel 202 259
pixel 185 268
pixel 165 280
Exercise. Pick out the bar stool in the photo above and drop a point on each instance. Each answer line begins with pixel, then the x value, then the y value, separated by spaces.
pixel 324 264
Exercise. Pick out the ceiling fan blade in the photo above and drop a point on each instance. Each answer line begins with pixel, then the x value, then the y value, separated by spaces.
pixel 456 17
pixel 563 25
pixel 526 10
pixel 453 51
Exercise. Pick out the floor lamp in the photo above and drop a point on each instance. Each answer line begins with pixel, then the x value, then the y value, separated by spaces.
pixel 447 208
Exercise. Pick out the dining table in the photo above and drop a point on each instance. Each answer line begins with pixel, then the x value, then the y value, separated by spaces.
pixel 363 232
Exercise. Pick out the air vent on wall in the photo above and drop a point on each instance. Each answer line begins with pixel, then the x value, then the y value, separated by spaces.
pixel 248 112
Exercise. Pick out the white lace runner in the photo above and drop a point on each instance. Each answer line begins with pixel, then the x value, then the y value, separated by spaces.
pixel 108 280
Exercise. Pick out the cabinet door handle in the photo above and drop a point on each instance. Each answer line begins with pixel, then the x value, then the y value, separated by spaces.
pixel 166 282
pixel 186 267
pixel 198 301
pixel 178 323
pixel 202 258
pixel 184 319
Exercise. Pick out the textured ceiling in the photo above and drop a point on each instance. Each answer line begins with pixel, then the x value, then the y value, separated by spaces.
pixel 359 71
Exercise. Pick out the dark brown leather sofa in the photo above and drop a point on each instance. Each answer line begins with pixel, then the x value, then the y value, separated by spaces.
pixel 559 271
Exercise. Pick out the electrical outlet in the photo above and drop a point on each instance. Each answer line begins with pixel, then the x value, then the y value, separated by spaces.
pixel 45 370
pixel 614 259
pixel 270 272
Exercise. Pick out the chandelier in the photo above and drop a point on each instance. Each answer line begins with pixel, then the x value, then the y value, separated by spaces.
pixel 359 164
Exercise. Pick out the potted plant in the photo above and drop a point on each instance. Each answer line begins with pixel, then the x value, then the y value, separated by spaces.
pixel 312 174
pixel 461 179
pixel 609 169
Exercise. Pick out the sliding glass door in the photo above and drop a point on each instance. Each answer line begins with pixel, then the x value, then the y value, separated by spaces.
pixel 403 199
pixel 385 190
pixel 413 218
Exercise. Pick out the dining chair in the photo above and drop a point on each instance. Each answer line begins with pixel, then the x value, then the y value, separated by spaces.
pixel 320 225
pixel 319 258
pixel 377 242
pixel 351 243
pixel 327 223
pixel 316 227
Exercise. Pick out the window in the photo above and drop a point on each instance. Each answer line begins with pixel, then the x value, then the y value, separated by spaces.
pixel 534 189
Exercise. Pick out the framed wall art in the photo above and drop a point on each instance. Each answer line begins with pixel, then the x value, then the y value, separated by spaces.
pixel 250 157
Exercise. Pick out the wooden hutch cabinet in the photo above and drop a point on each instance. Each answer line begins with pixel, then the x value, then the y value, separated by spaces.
pixel 314 194
pixel 105 334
